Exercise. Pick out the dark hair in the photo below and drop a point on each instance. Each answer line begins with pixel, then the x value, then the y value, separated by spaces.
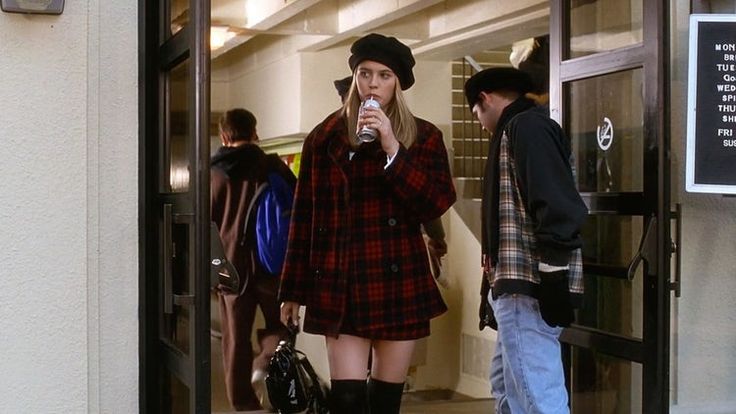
pixel 238 124
pixel 343 86
pixel 501 79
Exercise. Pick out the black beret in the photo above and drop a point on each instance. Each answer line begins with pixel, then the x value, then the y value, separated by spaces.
pixel 497 79
pixel 386 50
pixel 343 85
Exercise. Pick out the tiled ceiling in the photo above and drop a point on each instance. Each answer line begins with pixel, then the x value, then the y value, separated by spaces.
pixel 435 29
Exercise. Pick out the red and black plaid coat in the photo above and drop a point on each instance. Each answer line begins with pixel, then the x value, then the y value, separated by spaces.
pixel 355 241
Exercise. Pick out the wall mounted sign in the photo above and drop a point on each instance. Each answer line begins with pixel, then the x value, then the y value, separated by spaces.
pixel 711 105
pixel 33 6
pixel 605 134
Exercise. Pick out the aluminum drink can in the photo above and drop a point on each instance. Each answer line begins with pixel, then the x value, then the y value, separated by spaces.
pixel 368 134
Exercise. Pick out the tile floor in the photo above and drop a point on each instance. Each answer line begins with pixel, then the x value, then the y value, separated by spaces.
pixel 456 407
pixel 433 407
pixel 424 402
pixel 418 402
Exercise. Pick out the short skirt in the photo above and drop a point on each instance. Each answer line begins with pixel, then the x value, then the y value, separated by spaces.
pixel 403 332
pixel 389 333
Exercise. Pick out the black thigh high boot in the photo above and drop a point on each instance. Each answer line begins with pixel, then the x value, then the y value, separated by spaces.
pixel 348 397
pixel 384 397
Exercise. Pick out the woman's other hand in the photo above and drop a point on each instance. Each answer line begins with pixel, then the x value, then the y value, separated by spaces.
pixel 290 313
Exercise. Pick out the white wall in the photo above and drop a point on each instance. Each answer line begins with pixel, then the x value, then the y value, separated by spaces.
pixel 43 198
pixel 68 210
pixel 703 337
pixel 112 151
pixel 319 97
pixel 265 77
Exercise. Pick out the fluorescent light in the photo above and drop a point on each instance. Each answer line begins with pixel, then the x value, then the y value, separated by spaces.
pixel 219 35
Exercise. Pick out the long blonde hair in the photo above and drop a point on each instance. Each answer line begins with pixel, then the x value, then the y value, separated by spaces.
pixel 402 120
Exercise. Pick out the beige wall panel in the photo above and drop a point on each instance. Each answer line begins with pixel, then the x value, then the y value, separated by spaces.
pixel 69 290
pixel 703 319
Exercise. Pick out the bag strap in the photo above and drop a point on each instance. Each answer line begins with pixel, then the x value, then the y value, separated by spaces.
pixel 316 386
pixel 259 190
pixel 292 330
pixel 307 366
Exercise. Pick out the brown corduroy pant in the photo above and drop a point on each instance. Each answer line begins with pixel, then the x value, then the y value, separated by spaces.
pixel 237 313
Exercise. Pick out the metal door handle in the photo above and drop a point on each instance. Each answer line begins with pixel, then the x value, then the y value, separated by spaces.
pixel 167 257
pixel 647 250
pixel 676 249
pixel 184 300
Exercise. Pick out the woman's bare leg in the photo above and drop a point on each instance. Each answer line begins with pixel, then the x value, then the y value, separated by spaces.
pixel 348 358
pixel 391 360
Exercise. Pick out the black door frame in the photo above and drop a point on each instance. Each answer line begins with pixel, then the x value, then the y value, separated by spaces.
pixel 159 53
pixel 653 204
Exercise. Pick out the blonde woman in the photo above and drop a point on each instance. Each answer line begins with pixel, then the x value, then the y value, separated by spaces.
pixel 356 258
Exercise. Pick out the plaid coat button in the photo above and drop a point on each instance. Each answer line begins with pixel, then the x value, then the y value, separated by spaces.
pixel 317 274
pixel 392 221
pixel 394 268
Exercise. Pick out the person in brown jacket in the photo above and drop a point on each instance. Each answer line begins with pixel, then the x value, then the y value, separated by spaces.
pixel 236 170
pixel 356 258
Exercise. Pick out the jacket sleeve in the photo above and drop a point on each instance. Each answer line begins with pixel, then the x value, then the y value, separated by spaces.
pixel 217 195
pixel 295 274
pixel 542 159
pixel 420 175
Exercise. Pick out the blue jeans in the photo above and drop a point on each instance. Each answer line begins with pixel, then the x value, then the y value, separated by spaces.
pixel 526 370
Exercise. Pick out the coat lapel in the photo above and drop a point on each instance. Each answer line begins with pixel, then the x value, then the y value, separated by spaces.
pixel 337 148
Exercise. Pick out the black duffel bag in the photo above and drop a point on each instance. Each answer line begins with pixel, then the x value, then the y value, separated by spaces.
pixel 293 385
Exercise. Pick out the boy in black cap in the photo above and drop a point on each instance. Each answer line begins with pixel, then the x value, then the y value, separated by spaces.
pixel 531 218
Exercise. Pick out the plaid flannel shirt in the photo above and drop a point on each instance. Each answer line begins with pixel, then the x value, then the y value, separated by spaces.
pixel 517 256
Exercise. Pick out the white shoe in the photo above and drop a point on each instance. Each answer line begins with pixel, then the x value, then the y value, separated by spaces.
pixel 258 381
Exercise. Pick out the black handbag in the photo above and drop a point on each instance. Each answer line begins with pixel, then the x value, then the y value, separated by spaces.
pixel 293 385
pixel 223 274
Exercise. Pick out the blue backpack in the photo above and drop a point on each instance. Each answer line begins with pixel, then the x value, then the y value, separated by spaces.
pixel 271 205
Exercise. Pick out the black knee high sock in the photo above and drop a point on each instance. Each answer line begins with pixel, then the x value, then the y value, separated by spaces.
pixel 348 397
pixel 384 397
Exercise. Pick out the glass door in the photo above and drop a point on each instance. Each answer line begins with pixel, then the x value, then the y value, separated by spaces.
pixel 174 215
pixel 608 92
